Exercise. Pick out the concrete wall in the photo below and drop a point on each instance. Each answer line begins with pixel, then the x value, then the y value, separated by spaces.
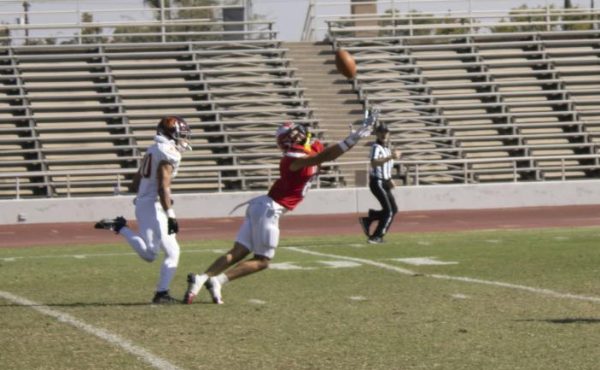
pixel 318 201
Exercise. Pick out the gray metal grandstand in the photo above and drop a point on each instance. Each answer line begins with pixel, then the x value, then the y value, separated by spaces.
pixel 529 98
pixel 467 107
pixel 73 107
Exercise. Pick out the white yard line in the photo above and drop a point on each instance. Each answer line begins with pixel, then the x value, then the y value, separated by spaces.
pixel 385 266
pixel 114 339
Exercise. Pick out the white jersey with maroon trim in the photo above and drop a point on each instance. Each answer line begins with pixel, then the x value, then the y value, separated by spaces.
pixel 162 150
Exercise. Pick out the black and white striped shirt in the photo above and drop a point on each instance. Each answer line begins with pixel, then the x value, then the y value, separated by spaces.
pixel 384 171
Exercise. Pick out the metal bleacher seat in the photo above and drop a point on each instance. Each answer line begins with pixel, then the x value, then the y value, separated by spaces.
pixel 97 106
pixel 482 95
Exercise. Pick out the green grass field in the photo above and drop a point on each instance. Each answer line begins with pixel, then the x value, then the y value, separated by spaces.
pixel 531 301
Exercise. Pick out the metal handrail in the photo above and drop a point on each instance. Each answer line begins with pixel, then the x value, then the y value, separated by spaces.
pixel 474 20
pixel 307 28
pixel 412 171
pixel 106 28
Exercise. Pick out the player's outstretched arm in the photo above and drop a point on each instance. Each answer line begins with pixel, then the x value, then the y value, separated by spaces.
pixel 334 151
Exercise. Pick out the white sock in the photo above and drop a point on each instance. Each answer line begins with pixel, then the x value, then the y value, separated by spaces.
pixel 166 275
pixel 222 278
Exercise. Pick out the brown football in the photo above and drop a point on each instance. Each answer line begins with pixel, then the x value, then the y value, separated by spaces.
pixel 345 64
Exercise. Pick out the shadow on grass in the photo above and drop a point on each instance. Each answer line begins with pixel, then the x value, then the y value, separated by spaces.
pixel 89 304
pixel 567 320
pixel 105 304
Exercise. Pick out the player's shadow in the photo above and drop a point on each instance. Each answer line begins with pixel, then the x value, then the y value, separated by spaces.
pixel 101 304
pixel 567 320
pixel 81 304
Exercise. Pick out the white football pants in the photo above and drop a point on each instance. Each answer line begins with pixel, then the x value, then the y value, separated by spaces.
pixel 153 236
pixel 260 230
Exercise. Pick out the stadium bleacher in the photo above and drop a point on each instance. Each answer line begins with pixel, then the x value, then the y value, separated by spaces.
pixel 471 96
pixel 463 107
pixel 69 108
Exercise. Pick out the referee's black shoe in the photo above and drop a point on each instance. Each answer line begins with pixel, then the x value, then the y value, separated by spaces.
pixel 365 223
pixel 375 240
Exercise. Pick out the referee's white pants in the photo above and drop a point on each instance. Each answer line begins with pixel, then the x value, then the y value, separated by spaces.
pixel 152 237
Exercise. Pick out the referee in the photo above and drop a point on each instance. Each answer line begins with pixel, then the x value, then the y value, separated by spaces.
pixel 381 185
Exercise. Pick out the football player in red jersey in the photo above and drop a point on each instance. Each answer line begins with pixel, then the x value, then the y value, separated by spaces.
pixel 259 233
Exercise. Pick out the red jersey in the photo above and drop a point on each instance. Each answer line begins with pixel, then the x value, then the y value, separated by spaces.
pixel 291 187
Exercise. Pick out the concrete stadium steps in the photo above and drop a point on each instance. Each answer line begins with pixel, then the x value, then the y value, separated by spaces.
pixel 334 103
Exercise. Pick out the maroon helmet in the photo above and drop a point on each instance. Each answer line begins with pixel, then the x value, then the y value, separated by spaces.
pixel 175 128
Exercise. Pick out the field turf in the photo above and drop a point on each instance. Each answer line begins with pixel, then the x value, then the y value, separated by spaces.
pixel 527 299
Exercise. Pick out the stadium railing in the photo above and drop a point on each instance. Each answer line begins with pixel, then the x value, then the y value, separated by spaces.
pixel 410 172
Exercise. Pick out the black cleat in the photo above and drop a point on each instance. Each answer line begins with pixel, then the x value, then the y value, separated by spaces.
pixel 163 298
pixel 111 224
pixel 365 223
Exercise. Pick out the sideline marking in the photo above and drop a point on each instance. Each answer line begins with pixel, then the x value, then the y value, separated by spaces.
pixel 357 298
pixel 357 245
pixel 287 266
pixel 114 339
pixel 257 301
pixel 339 264
pixel 424 261
pixel 385 266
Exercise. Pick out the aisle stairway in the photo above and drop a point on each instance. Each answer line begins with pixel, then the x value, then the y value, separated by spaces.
pixel 333 101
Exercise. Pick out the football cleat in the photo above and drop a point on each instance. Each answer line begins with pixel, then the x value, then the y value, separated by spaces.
pixel 195 283
pixel 111 224
pixel 163 298
pixel 365 223
pixel 214 288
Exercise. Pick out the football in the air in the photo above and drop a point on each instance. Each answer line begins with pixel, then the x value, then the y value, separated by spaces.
pixel 345 64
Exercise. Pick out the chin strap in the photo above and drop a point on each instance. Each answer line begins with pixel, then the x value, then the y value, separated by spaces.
pixel 307 146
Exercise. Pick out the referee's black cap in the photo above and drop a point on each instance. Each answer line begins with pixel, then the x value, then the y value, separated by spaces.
pixel 382 128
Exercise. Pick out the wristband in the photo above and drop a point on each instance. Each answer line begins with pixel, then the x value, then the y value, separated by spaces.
pixel 171 213
pixel 342 144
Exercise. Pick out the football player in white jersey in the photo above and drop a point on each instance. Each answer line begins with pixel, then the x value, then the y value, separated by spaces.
pixel 153 205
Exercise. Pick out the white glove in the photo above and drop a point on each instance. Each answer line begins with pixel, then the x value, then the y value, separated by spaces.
pixel 356 135
pixel 371 117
